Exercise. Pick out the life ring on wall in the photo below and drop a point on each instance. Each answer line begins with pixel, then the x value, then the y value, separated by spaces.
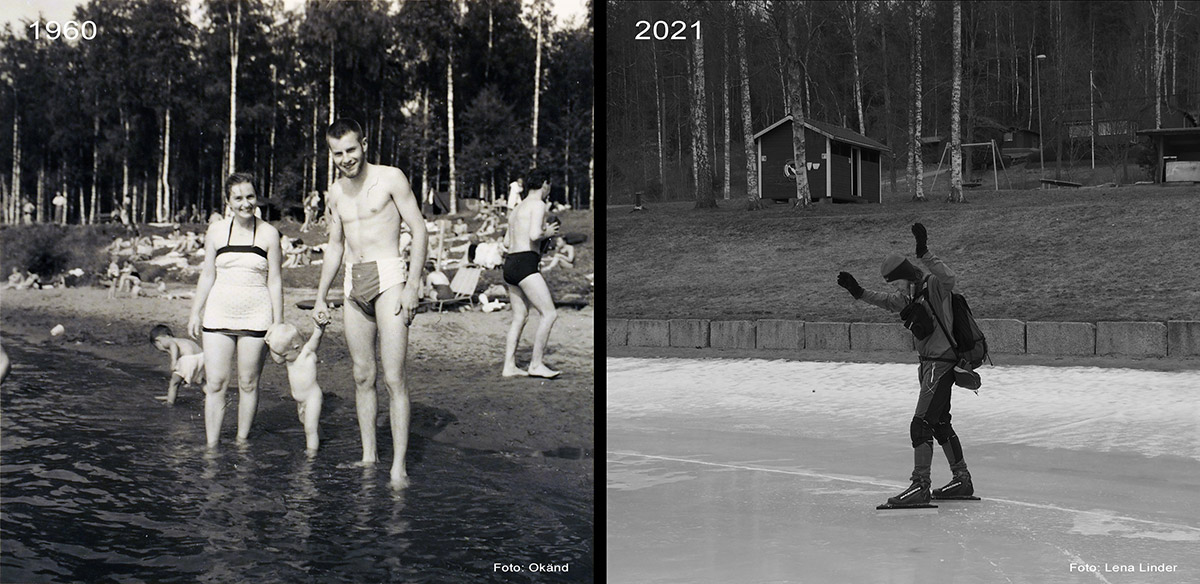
pixel 789 169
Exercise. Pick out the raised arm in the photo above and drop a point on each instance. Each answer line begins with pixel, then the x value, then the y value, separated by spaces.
pixel 314 341
pixel 935 266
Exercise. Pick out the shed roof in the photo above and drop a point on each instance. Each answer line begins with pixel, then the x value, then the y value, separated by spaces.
pixel 831 131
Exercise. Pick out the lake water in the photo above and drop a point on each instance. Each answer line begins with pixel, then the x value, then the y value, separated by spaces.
pixel 99 482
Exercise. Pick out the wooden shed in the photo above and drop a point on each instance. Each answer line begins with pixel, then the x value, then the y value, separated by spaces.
pixel 841 164
pixel 1177 152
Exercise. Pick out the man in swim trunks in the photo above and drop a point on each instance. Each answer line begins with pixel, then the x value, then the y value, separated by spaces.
pixel 527 225
pixel 366 207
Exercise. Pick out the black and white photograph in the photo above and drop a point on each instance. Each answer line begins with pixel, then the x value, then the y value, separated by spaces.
pixel 902 291
pixel 297 291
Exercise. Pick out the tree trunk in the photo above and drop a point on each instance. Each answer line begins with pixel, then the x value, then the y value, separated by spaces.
pixel 592 161
pixel 130 204
pixel 95 210
pixel 426 192
pixel 747 122
pixel 233 66
pixel 271 155
pixel 166 165
pixel 15 193
pixel 659 115
pixel 450 128
pixel 725 103
pixel 329 175
pixel 537 84
pixel 919 165
pixel 41 193
pixel 889 126
pixel 704 190
pixel 956 194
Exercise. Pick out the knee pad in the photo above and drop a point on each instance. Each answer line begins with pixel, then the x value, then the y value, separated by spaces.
pixel 943 433
pixel 920 432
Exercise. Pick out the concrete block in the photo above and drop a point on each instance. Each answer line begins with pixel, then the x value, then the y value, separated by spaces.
pixel 827 335
pixel 617 332
pixel 873 336
pixel 1183 338
pixel 780 334
pixel 1138 339
pixel 731 334
pixel 691 333
pixel 649 333
pixel 1060 338
pixel 1003 335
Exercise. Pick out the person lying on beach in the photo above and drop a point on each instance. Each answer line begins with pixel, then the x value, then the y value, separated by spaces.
pixel 187 360
pixel 285 344
pixel 18 282
pixel 15 278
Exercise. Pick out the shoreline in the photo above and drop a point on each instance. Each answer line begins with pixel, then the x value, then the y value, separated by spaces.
pixel 1149 364
pixel 454 364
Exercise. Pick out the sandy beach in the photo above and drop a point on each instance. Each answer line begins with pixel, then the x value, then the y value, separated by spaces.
pixel 458 396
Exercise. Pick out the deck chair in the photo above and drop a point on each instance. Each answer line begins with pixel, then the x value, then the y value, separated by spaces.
pixel 461 289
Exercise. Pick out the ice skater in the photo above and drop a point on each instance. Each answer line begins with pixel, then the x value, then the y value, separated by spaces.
pixel 916 294
pixel 285 343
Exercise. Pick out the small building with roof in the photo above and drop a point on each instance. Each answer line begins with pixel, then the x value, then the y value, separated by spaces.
pixel 1177 153
pixel 842 164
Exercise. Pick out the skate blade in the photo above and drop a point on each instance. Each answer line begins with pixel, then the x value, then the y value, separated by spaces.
pixel 960 498
pixel 886 509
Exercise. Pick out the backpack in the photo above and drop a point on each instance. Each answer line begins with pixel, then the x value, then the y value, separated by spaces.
pixel 967 340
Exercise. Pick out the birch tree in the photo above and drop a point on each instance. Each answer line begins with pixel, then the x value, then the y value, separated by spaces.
pixel 753 201
pixel 851 11
pixel 918 166
pixel 956 188
pixel 701 164
pixel 725 90
pixel 783 16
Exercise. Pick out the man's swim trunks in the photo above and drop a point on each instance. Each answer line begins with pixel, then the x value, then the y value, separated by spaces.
pixel 366 281
pixel 520 265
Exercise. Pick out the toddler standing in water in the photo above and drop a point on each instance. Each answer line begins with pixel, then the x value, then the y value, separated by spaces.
pixel 284 341
pixel 187 360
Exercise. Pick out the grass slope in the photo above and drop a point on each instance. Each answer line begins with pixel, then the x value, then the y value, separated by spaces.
pixel 1130 253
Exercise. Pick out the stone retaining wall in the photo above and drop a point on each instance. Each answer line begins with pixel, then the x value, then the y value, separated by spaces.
pixel 1174 338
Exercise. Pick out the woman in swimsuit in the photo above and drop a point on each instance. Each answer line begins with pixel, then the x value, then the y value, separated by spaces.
pixel 239 295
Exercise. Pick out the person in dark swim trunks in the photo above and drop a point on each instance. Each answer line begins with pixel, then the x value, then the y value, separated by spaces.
pixel 526 225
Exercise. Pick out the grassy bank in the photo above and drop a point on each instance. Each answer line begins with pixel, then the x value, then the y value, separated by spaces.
pixel 1127 253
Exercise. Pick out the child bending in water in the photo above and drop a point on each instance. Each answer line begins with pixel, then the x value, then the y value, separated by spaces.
pixel 187 360
pixel 284 341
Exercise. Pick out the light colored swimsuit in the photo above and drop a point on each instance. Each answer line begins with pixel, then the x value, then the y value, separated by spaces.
pixel 366 281
pixel 239 303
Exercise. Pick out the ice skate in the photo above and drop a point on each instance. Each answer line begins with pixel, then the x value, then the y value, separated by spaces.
pixel 960 488
pixel 914 498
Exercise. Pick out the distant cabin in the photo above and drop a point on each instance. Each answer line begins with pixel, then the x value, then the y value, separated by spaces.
pixel 1019 142
pixel 841 164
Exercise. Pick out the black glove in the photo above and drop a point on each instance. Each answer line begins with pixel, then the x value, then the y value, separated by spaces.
pixel 919 233
pixel 845 280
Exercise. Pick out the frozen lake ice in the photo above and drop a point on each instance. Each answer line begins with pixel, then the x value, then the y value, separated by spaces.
pixel 769 471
